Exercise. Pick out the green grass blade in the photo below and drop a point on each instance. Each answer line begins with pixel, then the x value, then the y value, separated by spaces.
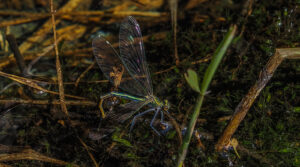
pixel 216 59
pixel 206 81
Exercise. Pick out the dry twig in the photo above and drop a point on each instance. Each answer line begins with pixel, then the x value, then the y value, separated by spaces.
pixel 243 107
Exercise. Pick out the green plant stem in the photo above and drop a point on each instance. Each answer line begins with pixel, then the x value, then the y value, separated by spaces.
pixel 209 73
pixel 190 130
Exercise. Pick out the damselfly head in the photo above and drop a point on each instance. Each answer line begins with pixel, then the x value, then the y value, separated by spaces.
pixel 166 105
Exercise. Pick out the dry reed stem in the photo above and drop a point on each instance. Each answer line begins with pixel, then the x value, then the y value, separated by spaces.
pixel 243 107
pixel 29 154
pixel 58 66
pixel 18 56
pixel 82 15
pixel 19 21
pixel 40 34
pixel 67 33
pixel 11 149
pixel 32 83
pixel 173 7
pixel 84 72
pixel 193 3
pixel 52 102
pixel 90 154
pixel 87 13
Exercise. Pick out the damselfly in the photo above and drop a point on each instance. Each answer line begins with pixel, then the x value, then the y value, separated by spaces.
pixel 129 71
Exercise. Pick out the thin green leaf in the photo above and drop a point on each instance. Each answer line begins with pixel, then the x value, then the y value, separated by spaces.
pixel 192 79
pixel 216 59
pixel 116 138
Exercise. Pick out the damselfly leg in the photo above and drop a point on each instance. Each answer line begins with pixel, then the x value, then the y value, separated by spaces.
pixel 101 104
pixel 162 119
pixel 153 119
pixel 139 115
pixel 157 110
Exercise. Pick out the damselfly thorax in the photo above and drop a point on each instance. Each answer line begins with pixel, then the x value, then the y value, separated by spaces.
pixel 156 102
